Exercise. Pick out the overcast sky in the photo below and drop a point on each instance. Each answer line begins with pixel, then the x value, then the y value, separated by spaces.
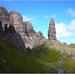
pixel 40 12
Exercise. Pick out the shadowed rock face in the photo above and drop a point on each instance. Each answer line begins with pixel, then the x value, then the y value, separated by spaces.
pixel 12 29
pixel 4 18
pixel 1 29
pixel 52 30
pixel 11 24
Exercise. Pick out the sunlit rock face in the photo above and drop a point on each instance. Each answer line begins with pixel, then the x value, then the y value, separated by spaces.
pixel 4 18
pixel 16 20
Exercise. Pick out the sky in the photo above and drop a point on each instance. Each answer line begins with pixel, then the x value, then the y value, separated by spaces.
pixel 39 13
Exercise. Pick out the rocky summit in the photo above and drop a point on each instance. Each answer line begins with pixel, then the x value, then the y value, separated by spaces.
pixel 16 20
pixel 23 33
pixel 4 18
pixel 52 30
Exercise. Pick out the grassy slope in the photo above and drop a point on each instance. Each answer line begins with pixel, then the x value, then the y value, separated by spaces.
pixel 29 63
pixel 46 54
pixel 18 63
pixel 36 62
pixel 72 45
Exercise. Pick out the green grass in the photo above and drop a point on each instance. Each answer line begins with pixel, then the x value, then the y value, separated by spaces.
pixel 38 61
pixel 69 64
pixel 18 63
pixel 46 54
pixel 72 45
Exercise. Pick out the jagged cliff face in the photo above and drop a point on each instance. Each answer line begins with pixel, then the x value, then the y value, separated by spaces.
pixel 52 30
pixel 1 29
pixel 30 37
pixel 23 33
pixel 16 20
pixel 4 18
pixel 28 29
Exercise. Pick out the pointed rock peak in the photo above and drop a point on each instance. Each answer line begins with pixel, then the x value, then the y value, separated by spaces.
pixel 3 9
pixel 52 18
pixel 52 21
pixel 15 17
pixel 52 30
pixel 14 12
pixel 41 35
pixel 40 32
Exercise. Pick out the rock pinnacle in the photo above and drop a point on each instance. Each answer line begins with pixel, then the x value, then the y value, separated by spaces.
pixel 52 30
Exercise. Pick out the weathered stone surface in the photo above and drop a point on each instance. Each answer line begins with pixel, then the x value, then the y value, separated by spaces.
pixel 12 29
pixel 4 18
pixel 65 43
pixel 28 29
pixel 6 28
pixel 16 20
pixel 52 30
pixel 30 37
pixel 1 29
pixel 60 71
pixel 4 61
pixel 5 66
pixel 40 34
pixel 18 40
pixel 23 33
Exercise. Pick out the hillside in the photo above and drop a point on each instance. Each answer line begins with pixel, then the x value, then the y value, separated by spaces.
pixel 23 50
pixel 40 60
pixel 15 60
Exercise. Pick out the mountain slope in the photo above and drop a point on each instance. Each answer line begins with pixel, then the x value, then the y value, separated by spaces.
pixel 15 60
pixel 41 59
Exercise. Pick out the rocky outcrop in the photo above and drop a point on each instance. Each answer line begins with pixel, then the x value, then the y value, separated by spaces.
pixel 40 34
pixel 1 29
pixel 10 26
pixel 28 29
pixel 17 31
pixel 30 37
pixel 12 29
pixel 16 20
pixel 4 18
pixel 17 39
pixel 52 30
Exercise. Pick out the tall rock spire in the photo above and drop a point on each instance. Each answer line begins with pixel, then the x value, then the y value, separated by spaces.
pixel 52 30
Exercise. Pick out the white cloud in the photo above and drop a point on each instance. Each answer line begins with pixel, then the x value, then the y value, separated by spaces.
pixel 65 31
pixel 47 16
pixel 26 18
pixel 71 12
